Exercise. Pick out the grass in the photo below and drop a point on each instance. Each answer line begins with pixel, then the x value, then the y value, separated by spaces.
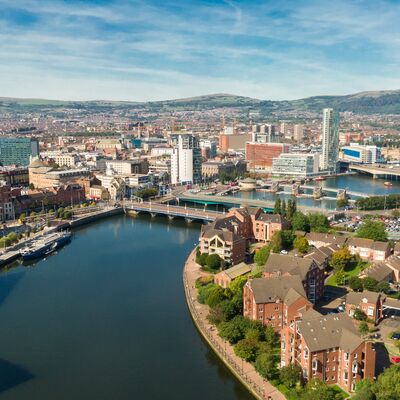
pixel 352 270
pixel 392 349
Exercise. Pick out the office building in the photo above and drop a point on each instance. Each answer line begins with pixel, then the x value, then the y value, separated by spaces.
pixel 233 142
pixel 362 154
pixel 18 151
pixel 330 140
pixel 127 167
pixel 298 132
pixel 260 155
pixel 185 159
pixel 296 165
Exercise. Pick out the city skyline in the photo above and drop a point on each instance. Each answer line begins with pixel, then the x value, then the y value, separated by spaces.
pixel 139 51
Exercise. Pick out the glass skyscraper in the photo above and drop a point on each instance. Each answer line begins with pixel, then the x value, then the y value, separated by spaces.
pixel 18 150
pixel 330 140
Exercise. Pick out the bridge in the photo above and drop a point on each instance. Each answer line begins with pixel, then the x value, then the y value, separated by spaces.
pixel 333 190
pixel 171 211
pixel 230 201
pixel 377 170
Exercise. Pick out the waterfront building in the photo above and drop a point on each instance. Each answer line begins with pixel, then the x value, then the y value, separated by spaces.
pixel 260 155
pixel 296 165
pixel 18 151
pixel 213 169
pixel 233 142
pixel 310 272
pixel 185 159
pixel 330 140
pixel 363 154
pixel 7 211
pixel 275 301
pixel 225 277
pixel 328 348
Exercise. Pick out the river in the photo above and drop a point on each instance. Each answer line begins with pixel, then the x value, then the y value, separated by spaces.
pixel 355 183
pixel 106 318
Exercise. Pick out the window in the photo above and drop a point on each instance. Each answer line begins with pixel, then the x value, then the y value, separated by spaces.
pixel 314 364
pixel 346 356
pixel 283 345
pixel 346 375
pixel 370 311
pixel 276 308
pixel 305 373
pixel 305 353
pixel 354 367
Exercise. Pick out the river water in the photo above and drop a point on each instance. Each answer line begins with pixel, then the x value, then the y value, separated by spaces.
pixel 106 318
pixel 354 183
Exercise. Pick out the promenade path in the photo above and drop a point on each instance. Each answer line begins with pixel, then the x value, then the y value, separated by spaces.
pixel 243 370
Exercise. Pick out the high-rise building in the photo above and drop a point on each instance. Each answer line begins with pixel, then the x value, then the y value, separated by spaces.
pixel 185 159
pixel 330 140
pixel 298 132
pixel 18 151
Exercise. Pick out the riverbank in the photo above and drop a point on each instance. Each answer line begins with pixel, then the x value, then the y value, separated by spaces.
pixel 244 371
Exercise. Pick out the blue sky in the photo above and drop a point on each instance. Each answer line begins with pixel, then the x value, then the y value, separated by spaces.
pixel 152 50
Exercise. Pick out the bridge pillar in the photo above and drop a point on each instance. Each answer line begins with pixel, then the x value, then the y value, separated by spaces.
pixel 153 215
pixel 274 187
pixel 189 220
pixel 295 189
pixel 317 192
pixel 171 217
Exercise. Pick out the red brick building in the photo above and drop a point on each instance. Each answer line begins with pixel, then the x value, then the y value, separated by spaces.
pixel 260 155
pixel 370 303
pixel 310 272
pixel 276 301
pixel 329 348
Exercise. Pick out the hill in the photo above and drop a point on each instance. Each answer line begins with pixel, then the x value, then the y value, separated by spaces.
pixel 372 102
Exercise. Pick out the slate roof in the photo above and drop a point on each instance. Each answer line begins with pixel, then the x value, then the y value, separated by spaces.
pixel 288 264
pixel 356 298
pixel 237 270
pixel 329 331
pixel 380 272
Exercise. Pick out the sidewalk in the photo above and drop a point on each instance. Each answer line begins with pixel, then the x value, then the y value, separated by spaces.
pixel 243 370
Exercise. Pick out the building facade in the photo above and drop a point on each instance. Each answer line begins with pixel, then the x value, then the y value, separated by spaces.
pixel 296 165
pixel 260 155
pixel 18 151
pixel 330 140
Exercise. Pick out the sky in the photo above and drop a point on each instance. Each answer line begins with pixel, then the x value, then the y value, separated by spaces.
pixel 142 50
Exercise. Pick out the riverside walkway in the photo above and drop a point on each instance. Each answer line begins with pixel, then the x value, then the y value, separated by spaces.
pixel 244 371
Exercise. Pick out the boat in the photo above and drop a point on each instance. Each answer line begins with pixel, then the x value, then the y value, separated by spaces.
pixel 388 184
pixel 320 178
pixel 45 246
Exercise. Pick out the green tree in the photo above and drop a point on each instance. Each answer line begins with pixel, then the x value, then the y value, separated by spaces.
pixel 253 334
pixel 383 287
pixel 356 284
pixel 277 242
pixel 287 239
pixel 233 330
pixel 261 256
pixel 300 222
pixel 290 208
pixel 340 203
pixel 265 365
pixel 270 336
pixel 359 315
pixel 365 390
pixel 236 286
pixel 213 261
pixel 340 259
pixel 246 349
pixel 363 328
pixel 201 259
pixel 301 244
pixel 388 384
pixel 277 206
pixel 31 186
pixel 318 222
pixel 371 229
pixel 317 390
pixel 290 375
pixel 370 284
pixel 340 276
pixel 215 296
pixel 283 208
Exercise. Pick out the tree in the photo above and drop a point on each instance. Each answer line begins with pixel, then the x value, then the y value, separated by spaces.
pixel 317 390
pixel 365 390
pixel 340 259
pixel 215 296
pixel 290 208
pixel 371 229
pixel 253 334
pixel 388 384
pixel 233 330
pixel 270 336
pixel 265 365
pixel 31 186
pixel 261 256
pixel 290 375
pixel 236 286
pixel 277 206
pixel 370 284
pixel 301 244
pixel 383 287
pixel 340 203
pixel 356 284
pixel 359 315
pixel 287 239
pixel 318 222
pixel 300 222
pixel 283 208
pixel 213 261
pixel 363 328
pixel 202 259
pixel 246 349
pixel 277 242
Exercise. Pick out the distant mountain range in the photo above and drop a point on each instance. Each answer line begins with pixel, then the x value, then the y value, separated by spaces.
pixel 374 102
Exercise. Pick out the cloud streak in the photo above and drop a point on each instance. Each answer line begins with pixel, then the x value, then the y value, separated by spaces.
pixel 150 50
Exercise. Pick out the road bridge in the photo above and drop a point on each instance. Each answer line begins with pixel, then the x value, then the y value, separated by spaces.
pixel 172 211
pixel 377 171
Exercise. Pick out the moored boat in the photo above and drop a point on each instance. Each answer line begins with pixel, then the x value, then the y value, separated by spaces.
pixel 388 184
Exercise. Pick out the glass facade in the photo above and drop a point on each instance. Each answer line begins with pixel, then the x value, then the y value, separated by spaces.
pixel 18 151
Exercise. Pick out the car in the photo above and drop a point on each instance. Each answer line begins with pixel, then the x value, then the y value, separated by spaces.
pixel 340 308
pixel 395 359
pixel 396 336
pixel 284 252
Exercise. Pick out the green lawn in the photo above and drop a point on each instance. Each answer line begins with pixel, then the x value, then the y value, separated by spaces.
pixel 353 270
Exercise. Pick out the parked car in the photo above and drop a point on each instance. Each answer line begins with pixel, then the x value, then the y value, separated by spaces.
pixel 395 359
pixel 396 336
pixel 284 252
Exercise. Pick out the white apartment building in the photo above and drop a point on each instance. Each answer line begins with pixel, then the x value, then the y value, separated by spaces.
pixel 296 165
pixel 330 140
pixel 364 154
